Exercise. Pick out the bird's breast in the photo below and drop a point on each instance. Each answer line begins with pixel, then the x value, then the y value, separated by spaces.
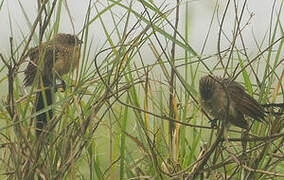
pixel 67 61
pixel 217 105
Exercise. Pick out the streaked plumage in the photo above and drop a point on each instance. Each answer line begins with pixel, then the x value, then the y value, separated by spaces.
pixel 54 58
pixel 63 50
pixel 215 101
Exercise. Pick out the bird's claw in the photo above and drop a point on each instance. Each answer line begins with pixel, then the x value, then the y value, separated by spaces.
pixel 61 87
pixel 213 123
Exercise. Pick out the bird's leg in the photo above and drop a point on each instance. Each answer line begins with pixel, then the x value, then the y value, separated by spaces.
pixel 244 136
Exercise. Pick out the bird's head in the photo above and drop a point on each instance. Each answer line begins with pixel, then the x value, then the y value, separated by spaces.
pixel 206 87
pixel 67 39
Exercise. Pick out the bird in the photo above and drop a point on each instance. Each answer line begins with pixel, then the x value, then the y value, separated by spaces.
pixel 227 100
pixel 47 62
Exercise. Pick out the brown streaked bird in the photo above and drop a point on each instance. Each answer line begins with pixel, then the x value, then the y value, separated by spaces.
pixel 50 60
pixel 216 93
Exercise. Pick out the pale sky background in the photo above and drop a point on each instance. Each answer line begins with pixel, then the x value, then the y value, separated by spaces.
pixel 200 12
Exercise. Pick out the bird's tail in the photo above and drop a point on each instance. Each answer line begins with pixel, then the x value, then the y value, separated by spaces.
pixel 44 100
pixel 280 105
pixel 274 106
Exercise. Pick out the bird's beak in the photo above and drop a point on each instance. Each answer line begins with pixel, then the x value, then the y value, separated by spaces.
pixel 80 41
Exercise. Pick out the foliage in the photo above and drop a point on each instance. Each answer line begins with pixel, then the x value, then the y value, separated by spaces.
pixel 121 117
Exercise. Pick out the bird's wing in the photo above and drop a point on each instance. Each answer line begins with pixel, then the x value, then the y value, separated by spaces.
pixel 239 120
pixel 244 102
pixel 48 54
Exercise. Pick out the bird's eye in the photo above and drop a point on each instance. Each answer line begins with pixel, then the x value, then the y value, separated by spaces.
pixel 71 40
